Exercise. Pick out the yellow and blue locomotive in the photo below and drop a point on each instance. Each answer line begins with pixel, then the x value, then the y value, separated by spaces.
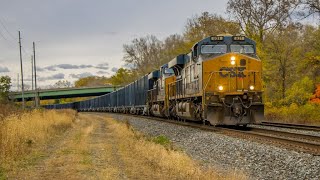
pixel 219 81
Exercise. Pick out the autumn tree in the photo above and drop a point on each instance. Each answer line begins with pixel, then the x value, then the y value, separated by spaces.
pixel 92 81
pixel 258 17
pixel 62 84
pixel 300 92
pixel 143 54
pixel 315 98
pixel 310 64
pixel 313 7
pixel 5 84
pixel 206 25
pixel 283 51
pixel 172 46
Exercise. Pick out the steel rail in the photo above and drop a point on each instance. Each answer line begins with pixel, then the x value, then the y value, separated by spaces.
pixel 292 126
pixel 279 133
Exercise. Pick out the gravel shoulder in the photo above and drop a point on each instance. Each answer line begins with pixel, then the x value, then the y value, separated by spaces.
pixel 257 160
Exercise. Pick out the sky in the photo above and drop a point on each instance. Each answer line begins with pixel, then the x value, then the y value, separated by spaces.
pixel 79 38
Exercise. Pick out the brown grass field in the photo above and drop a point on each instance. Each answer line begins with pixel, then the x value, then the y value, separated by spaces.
pixel 43 144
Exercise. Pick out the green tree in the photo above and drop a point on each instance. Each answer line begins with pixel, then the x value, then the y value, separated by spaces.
pixel 5 84
pixel 123 77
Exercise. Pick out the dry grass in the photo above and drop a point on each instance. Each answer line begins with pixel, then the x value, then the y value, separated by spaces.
pixel 8 109
pixel 19 133
pixel 145 157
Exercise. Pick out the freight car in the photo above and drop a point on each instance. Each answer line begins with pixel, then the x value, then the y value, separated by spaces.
pixel 218 82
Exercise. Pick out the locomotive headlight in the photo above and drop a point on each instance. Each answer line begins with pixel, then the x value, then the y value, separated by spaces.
pixel 220 88
pixel 251 87
pixel 233 60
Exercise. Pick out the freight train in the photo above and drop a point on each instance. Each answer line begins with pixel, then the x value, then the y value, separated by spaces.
pixel 218 82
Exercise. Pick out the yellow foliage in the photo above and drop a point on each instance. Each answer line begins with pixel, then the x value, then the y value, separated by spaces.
pixel 304 114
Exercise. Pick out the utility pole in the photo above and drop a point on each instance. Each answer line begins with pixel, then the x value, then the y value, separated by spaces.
pixel 18 83
pixel 32 73
pixel 34 103
pixel 22 86
pixel 35 76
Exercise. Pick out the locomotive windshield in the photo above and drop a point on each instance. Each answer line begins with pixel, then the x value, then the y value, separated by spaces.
pixel 243 49
pixel 213 49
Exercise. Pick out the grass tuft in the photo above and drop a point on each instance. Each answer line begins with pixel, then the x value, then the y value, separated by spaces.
pixel 164 141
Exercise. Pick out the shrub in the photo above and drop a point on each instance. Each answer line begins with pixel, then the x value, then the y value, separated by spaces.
pixel 300 92
pixel 303 114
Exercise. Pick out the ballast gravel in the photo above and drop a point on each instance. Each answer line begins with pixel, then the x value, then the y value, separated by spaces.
pixel 226 153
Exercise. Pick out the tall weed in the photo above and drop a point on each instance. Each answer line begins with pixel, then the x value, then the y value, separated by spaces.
pixel 20 132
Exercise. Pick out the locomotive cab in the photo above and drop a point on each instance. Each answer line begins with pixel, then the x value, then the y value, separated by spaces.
pixel 231 80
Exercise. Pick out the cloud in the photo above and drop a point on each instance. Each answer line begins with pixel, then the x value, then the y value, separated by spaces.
pixel 39 69
pixel 103 72
pixel 104 66
pixel 66 66
pixel 114 69
pixel 51 68
pixel 4 69
pixel 71 66
pixel 81 75
pixel 53 77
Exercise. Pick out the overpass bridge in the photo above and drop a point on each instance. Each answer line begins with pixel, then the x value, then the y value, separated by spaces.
pixel 45 94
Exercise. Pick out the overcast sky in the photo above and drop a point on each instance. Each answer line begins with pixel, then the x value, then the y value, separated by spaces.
pixel 77 38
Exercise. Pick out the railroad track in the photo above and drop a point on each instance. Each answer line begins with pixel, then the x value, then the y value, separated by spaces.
pixel 292 126
pixel 292 141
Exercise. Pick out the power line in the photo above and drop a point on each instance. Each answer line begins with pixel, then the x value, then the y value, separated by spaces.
pixel 9 42
pixel 5 28
pixel 14 38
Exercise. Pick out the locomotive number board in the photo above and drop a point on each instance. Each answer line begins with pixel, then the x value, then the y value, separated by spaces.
pixel 216 38
pixel 238 38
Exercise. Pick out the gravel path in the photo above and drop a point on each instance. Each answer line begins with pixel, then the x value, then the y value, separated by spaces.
pixel 257 160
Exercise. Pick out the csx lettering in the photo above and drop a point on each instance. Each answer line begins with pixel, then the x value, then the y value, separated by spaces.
pixel 225 71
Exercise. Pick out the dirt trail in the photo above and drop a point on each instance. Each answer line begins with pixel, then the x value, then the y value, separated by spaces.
pixel 88 151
